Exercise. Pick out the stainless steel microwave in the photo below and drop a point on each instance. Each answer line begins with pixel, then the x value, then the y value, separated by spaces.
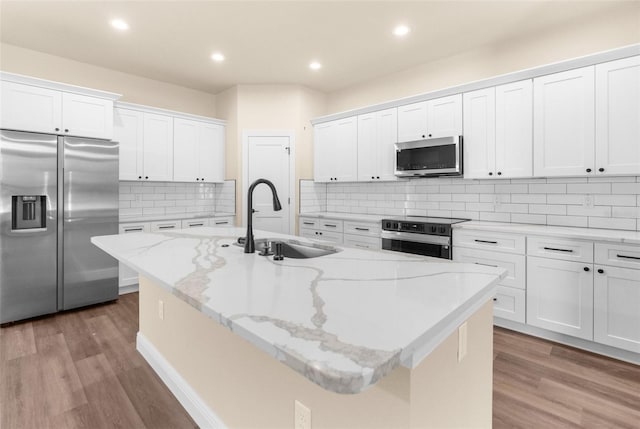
pixel 431 157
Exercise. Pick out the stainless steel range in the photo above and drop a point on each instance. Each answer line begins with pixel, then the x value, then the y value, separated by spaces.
pixel 428 236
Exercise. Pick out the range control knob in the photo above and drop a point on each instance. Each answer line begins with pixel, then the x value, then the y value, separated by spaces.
pixel 433 228
pixel 442 229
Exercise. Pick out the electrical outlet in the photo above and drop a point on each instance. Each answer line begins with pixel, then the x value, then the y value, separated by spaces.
pixel 302 416
pixel 161 309
pixel 588 201
pixel 462 341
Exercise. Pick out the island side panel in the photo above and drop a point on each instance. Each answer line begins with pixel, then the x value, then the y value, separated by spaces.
pixel 246 387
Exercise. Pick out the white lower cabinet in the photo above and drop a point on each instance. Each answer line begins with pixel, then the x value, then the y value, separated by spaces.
pixel 560 296
pixel 617 307
pixel 222 221
pixel 127 276
pixel 360 234
pixel 362 241
pixel 194 223
pixel 166 225
pixel 509 303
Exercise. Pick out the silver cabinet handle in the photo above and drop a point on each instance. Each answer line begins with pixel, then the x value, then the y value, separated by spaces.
pixel 308 223
pixel 361 229
pixel 629 257
pixel 486 265
pixel 196 224
pixel 558 250
pixel 166 227
pixel 330 225
pixel 224 222
pixel 132 229
pixel 485 241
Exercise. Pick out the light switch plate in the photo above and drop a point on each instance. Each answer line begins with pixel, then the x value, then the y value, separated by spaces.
pixel 302 416
pixel 462 341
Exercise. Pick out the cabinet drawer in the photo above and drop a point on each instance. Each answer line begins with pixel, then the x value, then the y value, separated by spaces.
pixel 309 233
pixel 356 228
pixel 509 303
pixel 330 225
pixel 334 237
pixel 195 223
pixel 222 221
pixel 514 264
pixel 308 223
pixel 618 255
pixel 362 241
pixel 128 228
pixel 562 249
pixel 494 241
pixel 165 226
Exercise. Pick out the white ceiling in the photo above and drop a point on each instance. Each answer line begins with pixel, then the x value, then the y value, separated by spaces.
pixel 273 42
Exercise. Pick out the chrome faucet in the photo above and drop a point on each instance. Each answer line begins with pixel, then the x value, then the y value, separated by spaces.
pixel 249 243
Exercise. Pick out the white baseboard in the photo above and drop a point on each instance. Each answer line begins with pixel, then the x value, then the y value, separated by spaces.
pixel 128 289
pixel 190 400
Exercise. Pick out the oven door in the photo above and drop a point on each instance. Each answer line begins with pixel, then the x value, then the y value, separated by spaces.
pixel 432 157
pixel 417 244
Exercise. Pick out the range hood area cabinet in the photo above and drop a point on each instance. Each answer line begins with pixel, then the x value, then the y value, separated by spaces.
pixel 36 105
pixel 440 117
pixel 166 146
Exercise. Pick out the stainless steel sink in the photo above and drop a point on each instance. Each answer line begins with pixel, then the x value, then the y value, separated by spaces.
pixel 292 248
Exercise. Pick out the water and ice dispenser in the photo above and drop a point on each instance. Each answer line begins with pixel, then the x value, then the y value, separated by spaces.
pixel 28 212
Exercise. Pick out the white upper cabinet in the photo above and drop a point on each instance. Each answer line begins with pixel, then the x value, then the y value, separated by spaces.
pixel 514 129
pixel 444 116
pixel 412 122
pixel 618 117
pixel 479 134
pixel 440 117
pixel 128 132
pixel 563 120
pixel 157 142
pixel 28 107
pixel 336 150
pixel 377 133
pixel 198 151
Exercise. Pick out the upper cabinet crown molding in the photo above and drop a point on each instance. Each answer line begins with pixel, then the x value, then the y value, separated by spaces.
pixel 58 86
pixel 173 113
pixel 587 60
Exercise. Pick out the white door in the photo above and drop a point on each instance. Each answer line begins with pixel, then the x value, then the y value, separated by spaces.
pixel 563 121
pixel 158 147
pixel 185 154
pixel 618 117
pixel 30 108
pixel 268 158
pixel 128 132
pixel 87 116
pixel 412 122
pixel 444 116
pixel 514 129
pixel 617 307
pixel 560 296
pixel 479 134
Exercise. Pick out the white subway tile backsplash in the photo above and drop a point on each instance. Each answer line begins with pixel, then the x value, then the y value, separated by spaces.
pixel 577 221
pixel 565 199
pixel 557 209
pixel 615 200
pixel 511 189
pixel 529 198
pixel 625 188
pixel 495 217
pixel 467 198
pixel 599 211
pixel 538 219
pixel 589 188
pixel 629 212
pixel 612 223
pixel 554 188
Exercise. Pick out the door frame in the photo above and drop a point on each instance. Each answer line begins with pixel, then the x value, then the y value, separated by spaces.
pixel 246 135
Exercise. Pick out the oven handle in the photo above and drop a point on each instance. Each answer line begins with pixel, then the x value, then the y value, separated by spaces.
pixel 417 238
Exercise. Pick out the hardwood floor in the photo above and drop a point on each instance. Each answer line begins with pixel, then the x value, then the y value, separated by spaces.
pixel 80 369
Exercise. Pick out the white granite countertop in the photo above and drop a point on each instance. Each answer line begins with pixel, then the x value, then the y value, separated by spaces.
pixel 355 217
pixel 610 235
pixel 343 320
pixel 183 216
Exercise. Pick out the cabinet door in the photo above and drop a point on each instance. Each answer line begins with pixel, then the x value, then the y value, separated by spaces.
pixel 444 116
pixel 158 147
pixel 560 296
pixel 387 137
pixel 30 108
pixel 87 116
pixel 617 307
pixel 211 152
pixel 185 153
pixel 412 122
pixel 563 121
pixel 128 276
pixel 479 134
pixel 323 151
pixel 618 117
pixel 514 129
pixel 128 132
pixel 367 147
pixel 345 156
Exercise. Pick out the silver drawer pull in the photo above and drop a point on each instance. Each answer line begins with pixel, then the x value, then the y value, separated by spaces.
pixel 485 241
pixel 330 225
pixel 167 227
pixel 361 229
pixel 558 250
pixel 486 265
pixel 140 229
pixel 628 257
pixel 308 223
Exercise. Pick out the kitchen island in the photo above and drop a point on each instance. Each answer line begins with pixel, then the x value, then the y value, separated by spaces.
pixel 363 338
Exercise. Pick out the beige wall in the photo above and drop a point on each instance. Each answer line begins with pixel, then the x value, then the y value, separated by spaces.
pixel 619 27
pixel 269 107
pixel 134 89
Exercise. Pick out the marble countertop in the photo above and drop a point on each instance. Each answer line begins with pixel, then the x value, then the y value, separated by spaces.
pixel 343 320
pixel 183 216
pixel 610 235
pixel 348 216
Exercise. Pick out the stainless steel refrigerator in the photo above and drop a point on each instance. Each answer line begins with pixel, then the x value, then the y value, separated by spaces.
pixel 55 194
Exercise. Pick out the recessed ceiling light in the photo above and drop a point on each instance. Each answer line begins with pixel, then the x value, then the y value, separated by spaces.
pixel 217 57
pixel 401 30
pixel 119 24
pixel 314 65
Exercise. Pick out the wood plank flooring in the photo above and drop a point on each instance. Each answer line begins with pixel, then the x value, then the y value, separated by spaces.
pixel 80 369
